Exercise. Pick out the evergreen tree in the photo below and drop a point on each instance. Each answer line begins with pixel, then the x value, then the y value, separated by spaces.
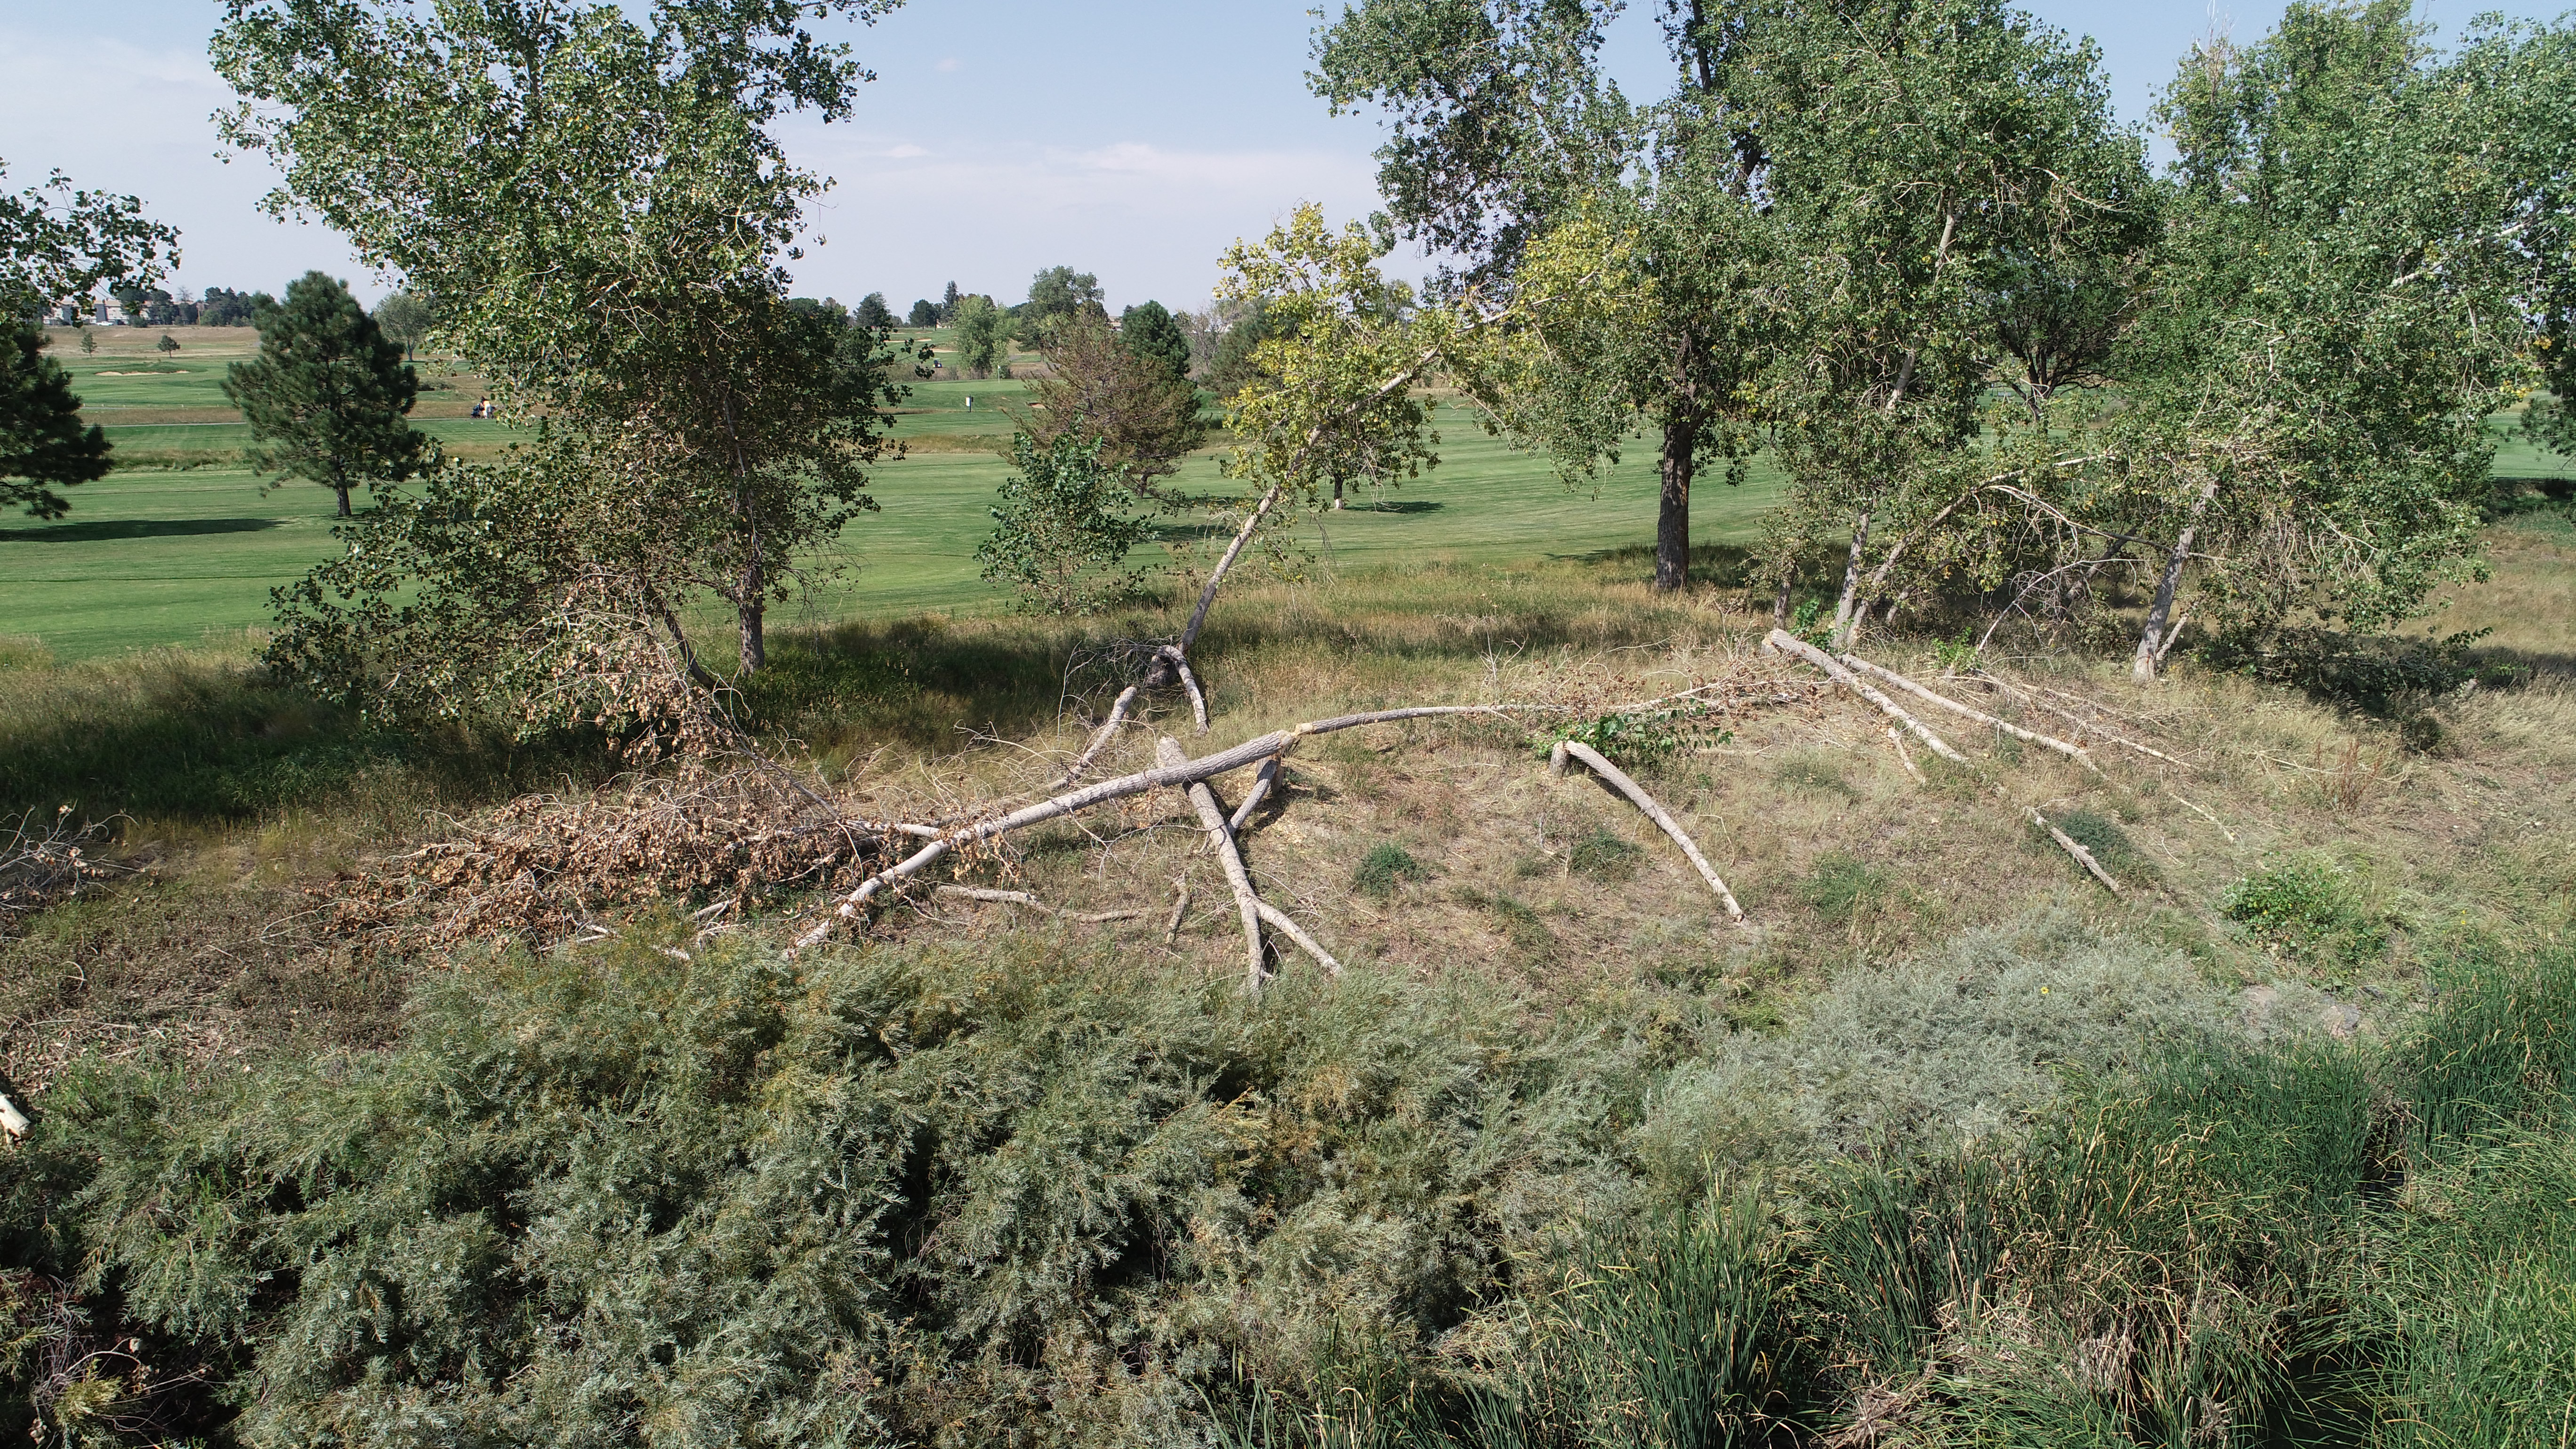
pixel 1150 332
pixel 873 312
pixel 948 305
pixel 42 441
pixel 328 393
pixel 925 313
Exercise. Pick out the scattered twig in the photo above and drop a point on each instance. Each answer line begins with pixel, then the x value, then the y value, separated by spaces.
pixel 1023 898
pixel 1783 639
pixel 1637 795
pixel 1897 737
pixel 1247 902
pixel 2075 848
pixel 2067 714
pixel 2205 815
pixel 1180 908
pixel 2071 751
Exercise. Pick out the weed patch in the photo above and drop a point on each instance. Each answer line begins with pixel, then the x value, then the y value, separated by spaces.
pixel 1386 866
pixel 2306 906
pixel 1604 856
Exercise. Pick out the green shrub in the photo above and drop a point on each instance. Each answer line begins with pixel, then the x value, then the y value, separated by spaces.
pixel 1844 887
pixel 1386 866
pixel 2305 905
pixel 1603 856
pixel 2107 841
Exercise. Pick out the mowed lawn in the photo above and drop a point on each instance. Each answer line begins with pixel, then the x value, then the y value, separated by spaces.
pixel 154 556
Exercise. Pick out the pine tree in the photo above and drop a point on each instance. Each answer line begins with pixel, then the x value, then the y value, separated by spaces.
pixel 42 441
pixel 328 393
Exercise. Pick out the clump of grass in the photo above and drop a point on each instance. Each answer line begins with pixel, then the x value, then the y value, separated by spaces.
pixel 1843 888
pixel 1815 772
pixel 1386 866
pixel 2305 905
pixel 1603 856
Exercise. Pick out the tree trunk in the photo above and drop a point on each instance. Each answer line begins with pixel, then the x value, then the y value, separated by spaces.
pixel 1672 520
pixel 1844 623
pixel 343 491
pixel 750 616
pixel 2151 640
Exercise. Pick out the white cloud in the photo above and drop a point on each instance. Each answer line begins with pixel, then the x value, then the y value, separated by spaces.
pixel 946 65
pixel 905 152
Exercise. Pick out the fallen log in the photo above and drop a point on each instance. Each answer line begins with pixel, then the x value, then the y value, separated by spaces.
pixel 1167 752
pixel 2071 751
pixel 1207 767
pixel 1783 639
pixel 1618 779
pixel 2073 717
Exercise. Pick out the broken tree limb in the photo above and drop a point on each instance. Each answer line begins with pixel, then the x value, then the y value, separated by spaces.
pixel 1783 639
pixel 1261 783
pixel 1190 683
pixel 2075 848
pixel 1023 898
pixel 11 1118
pixel 1180 908
pixel 1280 921
pixel 2070 751
pixel 2205 815
pixel 1208 767
pixel 1247 901
pixel 1636 793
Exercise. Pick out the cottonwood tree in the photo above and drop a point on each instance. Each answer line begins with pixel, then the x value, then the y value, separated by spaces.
pixel 612 262
pixel 983 335
pixel 2360 240
pixel 58 241
pixel 1150 331
pixel 328 396
pixel 406 317
pixel 1055 294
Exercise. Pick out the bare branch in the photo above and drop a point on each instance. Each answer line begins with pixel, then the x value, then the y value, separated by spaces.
pixel 1783 639
pixel 1637 795
pixel 2072 752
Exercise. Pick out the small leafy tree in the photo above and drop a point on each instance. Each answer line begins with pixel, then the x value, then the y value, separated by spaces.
pixel 1059 533
pixel 1145 416
pixel 406 318
pixel 328 394
pixel 89 343
pixel 167 345
pixel 983 335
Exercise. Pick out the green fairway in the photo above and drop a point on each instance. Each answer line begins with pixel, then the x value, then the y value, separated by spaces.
pixel 152 556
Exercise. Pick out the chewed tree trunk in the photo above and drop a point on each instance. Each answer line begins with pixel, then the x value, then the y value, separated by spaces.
pixel 2151 635
pixel 1672 518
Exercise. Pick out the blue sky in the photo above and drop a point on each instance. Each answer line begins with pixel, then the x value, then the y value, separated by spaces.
pixel 1134 139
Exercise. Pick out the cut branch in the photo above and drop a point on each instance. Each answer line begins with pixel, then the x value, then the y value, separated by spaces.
pixel 1180 908
pixel 1167 753
pixel 2070 751
pixel 2070 715
pixel 2075 848
pixel 1783 639
pixel 1897 737
pixel 1099 738
pixel 1637 795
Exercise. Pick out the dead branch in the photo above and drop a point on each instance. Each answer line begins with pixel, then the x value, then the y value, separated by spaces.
pixel 1160 777
pixel 1280 921
pixel 1783 639
pixel 1261 783
pixel 2205 815
pixel 1023 898
pixel 11 1118
pixel 1167 752
pixel 1637 795
pixel 1190 683
pixel 1099 738
pixel 2075 848
pixel 1180 908
pixel 2072 752
pixel 1896 737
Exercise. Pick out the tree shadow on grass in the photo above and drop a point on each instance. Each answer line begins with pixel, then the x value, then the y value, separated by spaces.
pixel 112 530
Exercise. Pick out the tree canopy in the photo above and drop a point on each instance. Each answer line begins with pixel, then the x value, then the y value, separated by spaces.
pixel 328 394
